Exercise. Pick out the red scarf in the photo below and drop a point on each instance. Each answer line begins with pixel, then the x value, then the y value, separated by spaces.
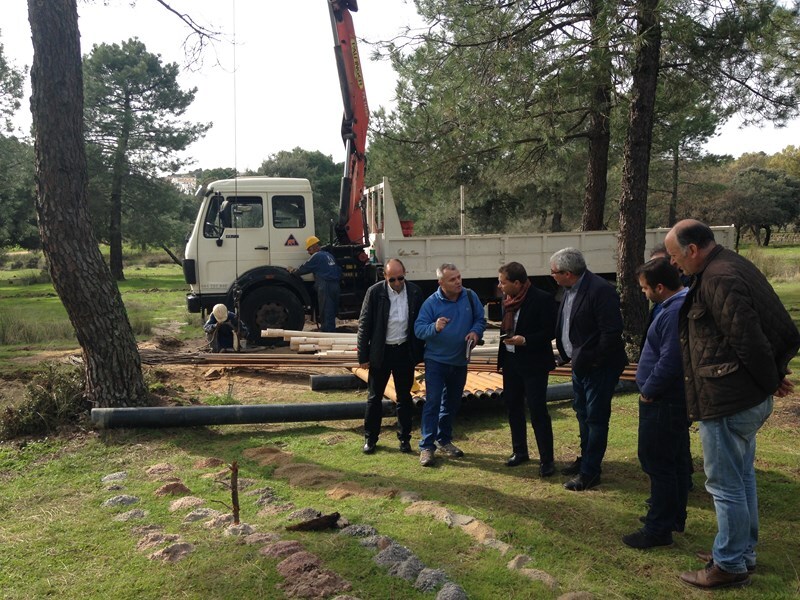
pixel 511 305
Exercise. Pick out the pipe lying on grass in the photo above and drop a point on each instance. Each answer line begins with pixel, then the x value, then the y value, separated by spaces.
pixel 190 416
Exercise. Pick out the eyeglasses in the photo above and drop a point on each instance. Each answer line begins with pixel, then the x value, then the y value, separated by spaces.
pixel 393 279
pixel 556 272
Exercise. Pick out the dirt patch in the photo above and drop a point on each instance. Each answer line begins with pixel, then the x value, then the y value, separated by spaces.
pixel 268 456
pixel 307 476
pixel 346 489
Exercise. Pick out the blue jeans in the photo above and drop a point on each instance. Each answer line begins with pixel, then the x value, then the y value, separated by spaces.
pixel 663 440
pixel 328 302
pixel 444 385
pixel 592 404
pixel 729 449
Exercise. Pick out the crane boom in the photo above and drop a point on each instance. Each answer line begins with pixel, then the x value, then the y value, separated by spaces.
pixel 351 227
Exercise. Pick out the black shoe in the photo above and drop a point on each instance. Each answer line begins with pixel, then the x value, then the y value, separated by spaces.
pixel 405 446
pixel 517 459
pixel 677 527
pixel 369 447
pixel 582 482
pixel 547 469
pixel 573 469
pixel 641 540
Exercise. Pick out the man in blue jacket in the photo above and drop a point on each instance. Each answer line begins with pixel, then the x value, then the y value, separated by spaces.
pixel 450 321
pixel 663 428
pixel 327 277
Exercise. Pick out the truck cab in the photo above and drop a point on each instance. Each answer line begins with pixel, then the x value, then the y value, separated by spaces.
pixel 247 231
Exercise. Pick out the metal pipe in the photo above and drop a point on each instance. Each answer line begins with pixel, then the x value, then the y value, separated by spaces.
pixel 190 416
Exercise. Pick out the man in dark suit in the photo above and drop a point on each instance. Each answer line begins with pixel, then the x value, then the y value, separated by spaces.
pixel 589 334
pixel 525 358
pixel 387 346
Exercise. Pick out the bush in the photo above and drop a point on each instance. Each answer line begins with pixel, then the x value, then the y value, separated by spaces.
pixel 54 400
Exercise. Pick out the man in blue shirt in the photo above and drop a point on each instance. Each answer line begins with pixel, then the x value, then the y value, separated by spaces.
pixel 327 275
pixel 450 321
pixel 663 428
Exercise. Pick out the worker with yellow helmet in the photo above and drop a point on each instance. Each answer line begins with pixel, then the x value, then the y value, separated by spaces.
pixel 327 278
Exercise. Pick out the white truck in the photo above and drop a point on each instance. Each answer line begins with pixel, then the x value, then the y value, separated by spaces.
pixel 249 230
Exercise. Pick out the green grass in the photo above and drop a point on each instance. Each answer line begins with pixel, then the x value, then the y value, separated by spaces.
pixel 58 541
pixel 62 541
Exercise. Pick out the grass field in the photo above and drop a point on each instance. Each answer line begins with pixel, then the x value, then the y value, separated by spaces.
pixel 58 540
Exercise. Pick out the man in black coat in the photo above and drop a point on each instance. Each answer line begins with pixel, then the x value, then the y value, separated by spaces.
pixel 589 334
pixel 387 346
pixel 525 358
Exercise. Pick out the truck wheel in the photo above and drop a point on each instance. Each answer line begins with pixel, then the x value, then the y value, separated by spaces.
pixel 271 308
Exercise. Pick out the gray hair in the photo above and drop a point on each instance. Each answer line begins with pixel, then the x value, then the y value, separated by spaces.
pixel 445 267
pixel 569 259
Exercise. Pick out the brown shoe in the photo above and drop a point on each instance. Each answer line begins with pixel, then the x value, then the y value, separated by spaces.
pixel 706 557
pixel 712 577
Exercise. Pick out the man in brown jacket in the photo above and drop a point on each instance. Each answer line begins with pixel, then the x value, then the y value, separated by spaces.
pixel 736 343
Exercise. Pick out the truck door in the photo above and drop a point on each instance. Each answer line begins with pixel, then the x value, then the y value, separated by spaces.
pixel 289 227
pixel 235 236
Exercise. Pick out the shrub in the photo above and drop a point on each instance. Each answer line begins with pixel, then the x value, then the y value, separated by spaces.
pixel 54 400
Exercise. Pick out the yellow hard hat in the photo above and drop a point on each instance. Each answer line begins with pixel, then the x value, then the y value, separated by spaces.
pixel 311 241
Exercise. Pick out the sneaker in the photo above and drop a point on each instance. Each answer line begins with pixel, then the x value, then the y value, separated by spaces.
pixel 451 449
pixel 405 446
pixel 426 457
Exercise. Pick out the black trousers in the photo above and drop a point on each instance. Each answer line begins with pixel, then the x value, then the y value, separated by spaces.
pixel 525 385
pixel 663 444
pixel 397 363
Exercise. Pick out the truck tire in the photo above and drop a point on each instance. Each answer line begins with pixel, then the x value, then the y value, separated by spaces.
pixel 272 307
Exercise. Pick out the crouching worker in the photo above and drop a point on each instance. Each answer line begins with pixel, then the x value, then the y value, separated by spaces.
pixel 224 330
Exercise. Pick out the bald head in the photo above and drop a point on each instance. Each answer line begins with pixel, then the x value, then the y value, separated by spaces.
pixel 688 244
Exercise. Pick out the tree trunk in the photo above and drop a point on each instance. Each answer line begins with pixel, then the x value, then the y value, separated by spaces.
pixel 635 174
pixel 558 211
pixel 767 234
pixel 118 172
pixel 80 276
pixel 672 218
pixel 594 201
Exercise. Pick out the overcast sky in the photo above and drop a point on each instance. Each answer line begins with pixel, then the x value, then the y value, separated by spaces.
pixel 284 90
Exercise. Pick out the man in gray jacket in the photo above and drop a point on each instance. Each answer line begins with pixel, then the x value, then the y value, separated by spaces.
pixel 388 347
pixel 736 343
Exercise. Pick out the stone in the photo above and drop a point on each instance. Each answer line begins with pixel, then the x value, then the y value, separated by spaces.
pixel 118 476
pixel 201 513
pixel 518 561
pixel 241 529
pixel 176 488
pixel 359 531
pixel 173 553
pixel 501 547
pixel 156 538
pixel 430 579
pixel 537 575
pixel 136 513
pixel 409 497
pixel 122 500
pixel 451 591
pixel 298 563
pixel 391 555
pixel 409 569
pixel 185 502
